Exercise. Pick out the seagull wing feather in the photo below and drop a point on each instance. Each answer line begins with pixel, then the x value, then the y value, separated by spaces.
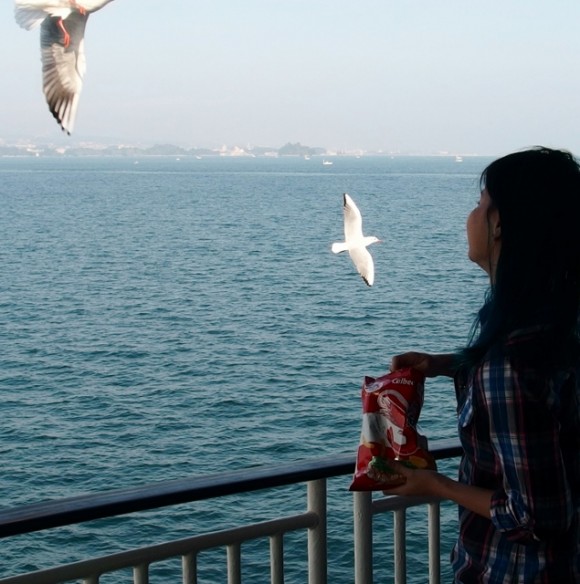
pixel 363 262
pixel 352 220
pixel 63 67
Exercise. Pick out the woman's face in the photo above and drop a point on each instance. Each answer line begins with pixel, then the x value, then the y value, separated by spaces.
pixel 484 234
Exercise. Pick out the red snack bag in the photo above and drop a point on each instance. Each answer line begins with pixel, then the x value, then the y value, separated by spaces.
pixel 391 406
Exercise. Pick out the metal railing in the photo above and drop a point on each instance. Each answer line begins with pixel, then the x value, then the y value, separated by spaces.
pixel 314 472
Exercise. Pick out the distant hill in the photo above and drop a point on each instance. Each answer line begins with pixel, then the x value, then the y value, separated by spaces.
pixel 299 150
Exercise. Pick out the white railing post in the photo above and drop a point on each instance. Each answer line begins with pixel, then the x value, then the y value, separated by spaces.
pixel 189 568
pixel 400 528
pixel 317 553
pixel 277 559
pixel 141 574
pixel 363 537
pixel 234 563
pixel 434 543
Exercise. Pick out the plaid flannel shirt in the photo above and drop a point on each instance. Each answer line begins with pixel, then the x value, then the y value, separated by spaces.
pixel 521 437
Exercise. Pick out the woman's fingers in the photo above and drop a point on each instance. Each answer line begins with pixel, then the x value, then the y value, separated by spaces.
pixel 412 359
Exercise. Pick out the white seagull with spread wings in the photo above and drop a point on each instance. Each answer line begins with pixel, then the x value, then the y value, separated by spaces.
pixel 356 243
pixel 62 29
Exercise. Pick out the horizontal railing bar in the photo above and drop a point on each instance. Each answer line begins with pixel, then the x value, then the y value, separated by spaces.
pixel 72 510
pixel 163 551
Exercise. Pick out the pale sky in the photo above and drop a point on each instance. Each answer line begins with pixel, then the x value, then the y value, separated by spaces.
pixel 465 76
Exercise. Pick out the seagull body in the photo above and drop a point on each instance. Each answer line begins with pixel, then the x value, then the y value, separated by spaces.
pixel 355 242
pixel 62 30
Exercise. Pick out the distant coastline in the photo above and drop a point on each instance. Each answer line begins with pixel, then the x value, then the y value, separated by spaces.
pixel 38 148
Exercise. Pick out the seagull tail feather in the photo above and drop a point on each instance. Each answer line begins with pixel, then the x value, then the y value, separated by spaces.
pixel 28 17
pixel 339 247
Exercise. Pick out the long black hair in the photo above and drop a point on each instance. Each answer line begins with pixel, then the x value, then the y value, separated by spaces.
pixel 537 279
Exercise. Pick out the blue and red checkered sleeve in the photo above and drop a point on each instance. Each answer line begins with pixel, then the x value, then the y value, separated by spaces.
pixel 535 501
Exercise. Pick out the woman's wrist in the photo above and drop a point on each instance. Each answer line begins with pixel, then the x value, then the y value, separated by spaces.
pixel 444 364
pixel 473 498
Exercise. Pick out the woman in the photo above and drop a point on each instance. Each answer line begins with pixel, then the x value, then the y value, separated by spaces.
pixel 518 381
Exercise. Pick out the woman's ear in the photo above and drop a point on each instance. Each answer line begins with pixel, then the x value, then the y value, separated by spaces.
pixel 495 224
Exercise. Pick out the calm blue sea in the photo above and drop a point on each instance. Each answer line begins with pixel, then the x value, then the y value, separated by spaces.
pixel 164 318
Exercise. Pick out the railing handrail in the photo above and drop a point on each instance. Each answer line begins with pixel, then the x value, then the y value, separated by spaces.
pixel 100 505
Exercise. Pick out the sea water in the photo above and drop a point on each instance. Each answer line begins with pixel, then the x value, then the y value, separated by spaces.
pixel 163 318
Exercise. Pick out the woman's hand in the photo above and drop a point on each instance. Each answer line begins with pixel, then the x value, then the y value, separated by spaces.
pixel 419 483
pixel 430 483
pixel 429 365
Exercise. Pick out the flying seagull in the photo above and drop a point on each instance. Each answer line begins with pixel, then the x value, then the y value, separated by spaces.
pixel 62 29
pixel 355 242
